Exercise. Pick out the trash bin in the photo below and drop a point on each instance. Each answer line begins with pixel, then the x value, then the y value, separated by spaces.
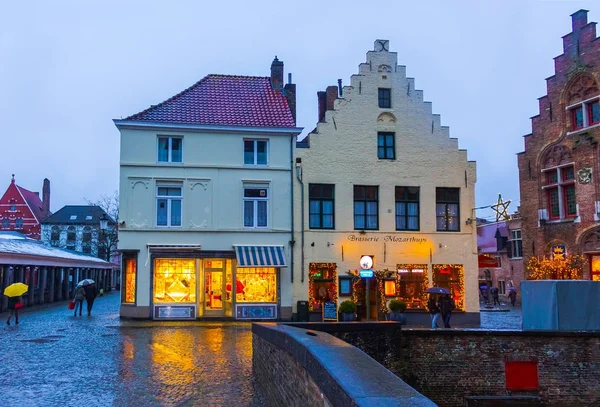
pixel 302 311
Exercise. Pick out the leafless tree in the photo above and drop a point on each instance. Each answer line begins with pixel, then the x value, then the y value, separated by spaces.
pixel 108 239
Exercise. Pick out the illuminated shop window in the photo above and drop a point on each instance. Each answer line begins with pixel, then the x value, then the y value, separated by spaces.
pixel 322 285
pixel 256 284
pixel 451 277
pixel 412 283
pixel 595 268
pixel 389 288
pixel 174 280
pixel 129 271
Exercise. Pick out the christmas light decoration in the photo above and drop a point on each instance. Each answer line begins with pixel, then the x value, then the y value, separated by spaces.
pixel 324 272
pixel 569 268
pixel 421 269
pixel 455 281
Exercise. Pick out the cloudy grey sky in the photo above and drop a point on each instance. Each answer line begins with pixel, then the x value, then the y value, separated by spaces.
pixel 67 68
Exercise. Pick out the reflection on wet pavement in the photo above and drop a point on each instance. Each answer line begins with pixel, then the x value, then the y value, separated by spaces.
pixel 55 359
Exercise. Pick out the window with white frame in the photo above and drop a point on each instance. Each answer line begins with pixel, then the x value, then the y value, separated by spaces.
pixel 559 187
pixel 256 152
pixel 256 206
pixel 501 287
pixel 170 149
pixel 168 205
pixel 516 244
pixel 584 114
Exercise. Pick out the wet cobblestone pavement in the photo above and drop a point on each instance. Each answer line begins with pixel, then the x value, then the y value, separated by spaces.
pixel 54 359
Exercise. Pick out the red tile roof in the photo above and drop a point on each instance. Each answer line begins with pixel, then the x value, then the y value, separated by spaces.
pixel 224 100
pixel 34 202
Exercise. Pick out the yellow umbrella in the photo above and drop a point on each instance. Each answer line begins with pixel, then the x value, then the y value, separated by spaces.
pixel 16 290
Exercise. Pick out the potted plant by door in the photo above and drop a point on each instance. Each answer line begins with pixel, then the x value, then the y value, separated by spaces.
pixel 348 310
pixel 397 309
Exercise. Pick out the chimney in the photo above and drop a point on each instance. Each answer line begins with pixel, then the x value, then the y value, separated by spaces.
pixel 579 19
pixel 322 99
pixel 290 95
pixel 46 198
pixel 340 92
pixel 332 92
pixel 277 74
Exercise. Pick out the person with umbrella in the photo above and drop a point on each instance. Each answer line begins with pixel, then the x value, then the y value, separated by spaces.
pixel 78 298
pixel 14 293
pixel 91 292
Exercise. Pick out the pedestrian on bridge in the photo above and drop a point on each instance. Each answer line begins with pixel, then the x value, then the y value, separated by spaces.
pixel 78 299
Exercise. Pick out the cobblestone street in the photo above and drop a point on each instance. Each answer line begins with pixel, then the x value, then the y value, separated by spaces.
pixel 54 359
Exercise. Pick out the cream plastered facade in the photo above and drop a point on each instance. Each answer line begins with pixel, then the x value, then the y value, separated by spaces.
pixel 212 175
pixel 343 152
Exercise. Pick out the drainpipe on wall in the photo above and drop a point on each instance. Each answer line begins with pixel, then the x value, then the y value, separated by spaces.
pixel 299 177
pixel 292 242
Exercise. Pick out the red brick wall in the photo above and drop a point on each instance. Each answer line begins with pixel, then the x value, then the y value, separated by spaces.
pixel 447 366
pixel 550 128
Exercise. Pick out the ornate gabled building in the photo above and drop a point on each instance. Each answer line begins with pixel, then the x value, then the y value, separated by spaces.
pixel 558 171
pixel 381 186
pixel 22 210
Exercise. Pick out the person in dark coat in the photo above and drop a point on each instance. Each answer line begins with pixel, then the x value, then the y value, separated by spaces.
pixel 434 309
pixel 446 307
pixel 513 297
pixel 14 309
pixel 90 295
pixel 495 293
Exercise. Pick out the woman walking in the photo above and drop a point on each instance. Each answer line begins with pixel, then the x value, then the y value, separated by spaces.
pixel 14 304
pixel 78 298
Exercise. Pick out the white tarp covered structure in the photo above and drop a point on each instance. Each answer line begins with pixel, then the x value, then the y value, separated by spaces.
pixel 561 305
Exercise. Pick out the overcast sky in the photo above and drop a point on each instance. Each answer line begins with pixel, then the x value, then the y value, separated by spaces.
pixel 67 68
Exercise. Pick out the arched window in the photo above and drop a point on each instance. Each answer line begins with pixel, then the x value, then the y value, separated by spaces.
pixel 87 234
pixel 55 236
pixel 582 99
pixel 71 238
pixel 558 183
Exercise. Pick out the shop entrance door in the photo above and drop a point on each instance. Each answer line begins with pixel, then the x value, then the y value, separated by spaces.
pixel 214 287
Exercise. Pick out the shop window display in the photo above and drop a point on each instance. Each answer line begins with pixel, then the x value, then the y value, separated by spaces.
pixel 174 280
pixel 256 284
pixel 322 285
pixel 451 277
pixel 411 284
pixel 130 270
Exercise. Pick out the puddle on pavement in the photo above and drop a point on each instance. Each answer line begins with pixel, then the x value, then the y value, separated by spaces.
pixel 41 340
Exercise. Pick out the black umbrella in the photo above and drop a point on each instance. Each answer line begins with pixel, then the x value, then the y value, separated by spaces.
pixel 437 290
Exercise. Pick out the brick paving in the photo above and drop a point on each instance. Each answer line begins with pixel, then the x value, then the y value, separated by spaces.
pixel 54 359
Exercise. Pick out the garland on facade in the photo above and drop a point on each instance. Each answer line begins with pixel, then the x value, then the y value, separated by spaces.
pixel 458 284
pixel 314 268
pixel 570 268
pixel 424 283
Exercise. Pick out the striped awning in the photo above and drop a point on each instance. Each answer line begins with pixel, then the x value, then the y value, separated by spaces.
pixel 260 256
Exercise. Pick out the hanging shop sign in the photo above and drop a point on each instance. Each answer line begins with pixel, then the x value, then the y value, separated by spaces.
pixel 366 265
pixel 330 311
pixel 366 273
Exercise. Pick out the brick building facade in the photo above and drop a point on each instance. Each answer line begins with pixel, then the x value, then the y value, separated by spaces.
pixel 558 171
pixel 22 210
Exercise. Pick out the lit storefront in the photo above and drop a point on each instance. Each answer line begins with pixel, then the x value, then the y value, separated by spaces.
pixel 322 285
pixel 243 285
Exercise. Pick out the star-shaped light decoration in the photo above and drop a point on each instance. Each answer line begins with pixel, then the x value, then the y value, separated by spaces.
pixel 501 209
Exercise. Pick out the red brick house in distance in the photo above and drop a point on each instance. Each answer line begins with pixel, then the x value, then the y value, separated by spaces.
pixel 23 211
pixel 559 169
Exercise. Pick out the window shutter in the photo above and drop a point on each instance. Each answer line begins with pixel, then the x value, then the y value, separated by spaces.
pixel 509 249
